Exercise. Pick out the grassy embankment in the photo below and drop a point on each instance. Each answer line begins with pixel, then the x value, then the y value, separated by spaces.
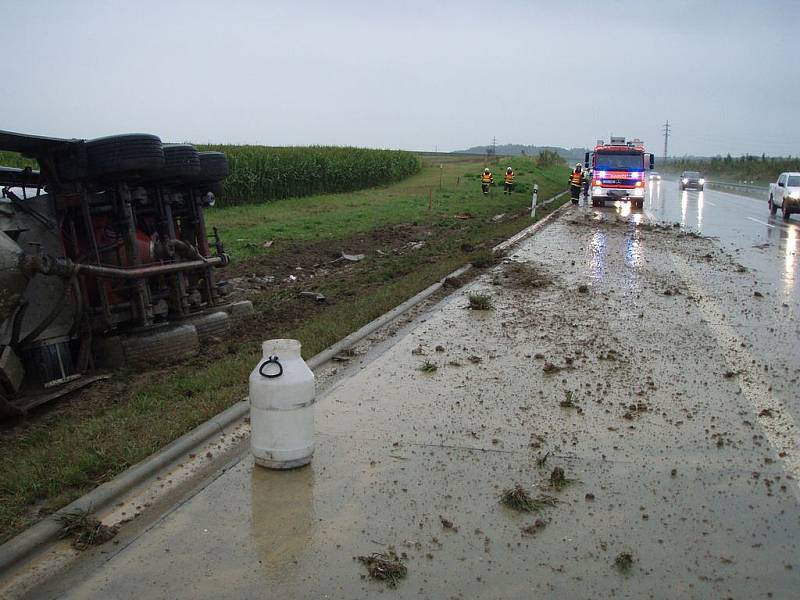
pixel 750 169
pixel 71 447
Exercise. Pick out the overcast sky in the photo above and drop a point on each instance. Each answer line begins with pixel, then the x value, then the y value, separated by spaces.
pixel 407 74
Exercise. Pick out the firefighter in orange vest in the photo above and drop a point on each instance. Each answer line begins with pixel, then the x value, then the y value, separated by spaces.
pixel 508 185
pixel 486 180
pixel 575 181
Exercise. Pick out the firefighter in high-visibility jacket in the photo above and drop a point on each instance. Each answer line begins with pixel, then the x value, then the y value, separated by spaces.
pixel 486 180
pixel 508 183
pixel 575 181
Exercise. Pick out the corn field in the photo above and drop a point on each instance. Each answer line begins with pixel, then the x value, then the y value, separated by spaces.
pixel 261 173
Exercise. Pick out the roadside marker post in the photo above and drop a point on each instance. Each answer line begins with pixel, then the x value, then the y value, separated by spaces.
pixel 534 199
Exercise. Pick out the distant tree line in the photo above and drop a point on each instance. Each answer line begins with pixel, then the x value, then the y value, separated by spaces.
pixel 747 167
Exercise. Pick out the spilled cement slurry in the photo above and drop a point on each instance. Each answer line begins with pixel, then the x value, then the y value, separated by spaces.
pixel 609 366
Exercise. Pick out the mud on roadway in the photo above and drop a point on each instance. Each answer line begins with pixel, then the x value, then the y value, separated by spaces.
pixel 616 351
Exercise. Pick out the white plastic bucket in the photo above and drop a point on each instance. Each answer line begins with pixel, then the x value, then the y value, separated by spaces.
pixel 282 407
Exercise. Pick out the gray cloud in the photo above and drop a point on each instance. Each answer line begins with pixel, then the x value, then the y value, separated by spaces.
pixel 411 75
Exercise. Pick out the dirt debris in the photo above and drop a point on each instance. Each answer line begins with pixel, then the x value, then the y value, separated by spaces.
pixel 384 566
pixel 534 527
pixel 85 530
pixel 525 275
pixel 453 282
pixel 624 561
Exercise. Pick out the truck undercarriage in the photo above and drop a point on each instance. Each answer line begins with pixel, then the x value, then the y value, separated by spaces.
pixel 104 260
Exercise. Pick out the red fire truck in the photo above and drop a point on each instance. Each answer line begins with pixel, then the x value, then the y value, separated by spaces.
pixel 618 171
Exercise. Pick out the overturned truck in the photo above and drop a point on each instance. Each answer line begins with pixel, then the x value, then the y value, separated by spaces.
pixel 104 260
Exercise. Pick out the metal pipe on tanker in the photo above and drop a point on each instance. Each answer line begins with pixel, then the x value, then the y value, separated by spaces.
pixel 151 270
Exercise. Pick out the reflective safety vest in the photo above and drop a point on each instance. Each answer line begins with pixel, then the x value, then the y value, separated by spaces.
pixel 575 178
pixel 510 177
pixel 486 178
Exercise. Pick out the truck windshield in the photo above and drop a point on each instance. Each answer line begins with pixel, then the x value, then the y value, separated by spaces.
pixel 609 161
pixel 793 181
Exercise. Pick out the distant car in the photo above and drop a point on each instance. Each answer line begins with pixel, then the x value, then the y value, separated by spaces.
pixel 655 175
pixel 785 194
pixel 692 180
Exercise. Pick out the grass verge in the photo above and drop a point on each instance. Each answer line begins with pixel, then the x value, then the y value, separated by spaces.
pixel 65 450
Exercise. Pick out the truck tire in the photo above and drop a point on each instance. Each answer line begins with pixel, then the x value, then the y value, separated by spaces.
pixel 213 166
pixel 215 324
pixel 124 154
pixel 159 345
pixel 772 208
pixel 180 160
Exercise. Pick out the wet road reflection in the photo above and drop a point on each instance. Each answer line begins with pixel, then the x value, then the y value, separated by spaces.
pixel 763 242
pixel 597 255
pixel 283 517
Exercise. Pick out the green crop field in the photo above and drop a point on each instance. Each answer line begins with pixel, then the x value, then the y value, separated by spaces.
pixel 260 173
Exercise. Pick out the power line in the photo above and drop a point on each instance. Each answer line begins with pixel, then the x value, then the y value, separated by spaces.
pixel 666 139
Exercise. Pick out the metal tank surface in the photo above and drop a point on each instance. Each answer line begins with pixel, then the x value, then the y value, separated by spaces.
pixel 282 392
pixel 104 259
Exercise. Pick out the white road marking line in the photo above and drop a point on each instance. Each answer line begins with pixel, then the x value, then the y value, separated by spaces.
pixel 780 429
pixel 761 222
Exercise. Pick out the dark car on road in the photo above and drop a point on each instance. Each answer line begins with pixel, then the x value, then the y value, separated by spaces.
pixel 692 180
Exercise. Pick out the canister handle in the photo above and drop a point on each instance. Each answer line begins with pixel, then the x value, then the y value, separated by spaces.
pixel 272 360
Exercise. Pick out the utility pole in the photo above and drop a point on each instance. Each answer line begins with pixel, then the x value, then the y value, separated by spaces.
pixel 491 151
pixel 666 139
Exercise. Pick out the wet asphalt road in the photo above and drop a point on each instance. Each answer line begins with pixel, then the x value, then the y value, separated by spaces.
pixel 742 224
pixel 766 245
pixel 630 356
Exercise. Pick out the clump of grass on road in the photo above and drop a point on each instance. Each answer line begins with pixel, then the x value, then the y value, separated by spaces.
pixel 385 567
pixel 478 301
pixel 428 367
pixel 518 498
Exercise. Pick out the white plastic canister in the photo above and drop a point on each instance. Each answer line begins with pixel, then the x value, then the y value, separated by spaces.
pixel 282 407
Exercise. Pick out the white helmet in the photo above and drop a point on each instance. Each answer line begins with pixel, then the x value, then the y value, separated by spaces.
pixel 486 170
pixel 577 165
pixel 508 170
